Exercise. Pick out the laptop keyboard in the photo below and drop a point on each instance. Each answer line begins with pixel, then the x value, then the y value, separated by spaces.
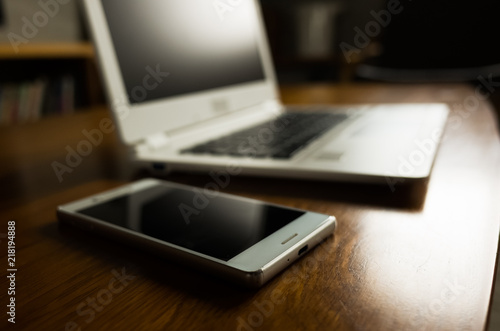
pixel 280 138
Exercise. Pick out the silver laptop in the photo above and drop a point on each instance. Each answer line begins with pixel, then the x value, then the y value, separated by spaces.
pixel 192 88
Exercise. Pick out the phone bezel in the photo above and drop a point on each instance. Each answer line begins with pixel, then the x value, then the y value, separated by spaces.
pixel 254 266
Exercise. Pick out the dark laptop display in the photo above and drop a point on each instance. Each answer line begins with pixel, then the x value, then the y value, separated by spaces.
pixel 157 38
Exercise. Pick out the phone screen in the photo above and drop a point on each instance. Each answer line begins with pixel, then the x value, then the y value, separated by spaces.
pixel 215 225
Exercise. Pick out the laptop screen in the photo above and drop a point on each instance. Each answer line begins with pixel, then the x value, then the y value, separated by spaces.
pixel 169 48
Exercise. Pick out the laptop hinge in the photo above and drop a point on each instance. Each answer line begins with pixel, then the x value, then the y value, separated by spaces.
pixel 155 142
pixel 274 105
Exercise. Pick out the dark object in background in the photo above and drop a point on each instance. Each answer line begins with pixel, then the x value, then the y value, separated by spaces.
pixel 2 15
pixel 442 40
pixel 444 34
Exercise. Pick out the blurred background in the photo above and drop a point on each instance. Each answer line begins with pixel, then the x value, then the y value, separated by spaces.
pixel 47 63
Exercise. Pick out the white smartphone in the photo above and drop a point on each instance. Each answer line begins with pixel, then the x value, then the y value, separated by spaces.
pixel 244 240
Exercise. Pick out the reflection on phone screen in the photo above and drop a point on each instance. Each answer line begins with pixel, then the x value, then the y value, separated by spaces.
pixel 221 227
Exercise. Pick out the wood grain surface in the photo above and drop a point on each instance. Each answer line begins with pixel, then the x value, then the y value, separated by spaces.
pixel 419 257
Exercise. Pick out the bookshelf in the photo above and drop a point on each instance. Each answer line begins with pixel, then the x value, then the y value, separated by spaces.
pixel 45 79
pixel 83 50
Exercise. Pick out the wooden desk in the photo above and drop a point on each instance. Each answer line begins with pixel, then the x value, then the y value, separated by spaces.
pixel 418 258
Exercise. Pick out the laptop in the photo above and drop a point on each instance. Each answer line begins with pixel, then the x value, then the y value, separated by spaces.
pixel 191 86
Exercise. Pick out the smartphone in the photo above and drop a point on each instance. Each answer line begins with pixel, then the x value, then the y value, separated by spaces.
pixel 243 240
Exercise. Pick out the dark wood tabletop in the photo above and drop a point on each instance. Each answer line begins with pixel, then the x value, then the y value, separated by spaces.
pixel 404 257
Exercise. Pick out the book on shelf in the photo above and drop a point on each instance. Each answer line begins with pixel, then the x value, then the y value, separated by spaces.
pixel 28 101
